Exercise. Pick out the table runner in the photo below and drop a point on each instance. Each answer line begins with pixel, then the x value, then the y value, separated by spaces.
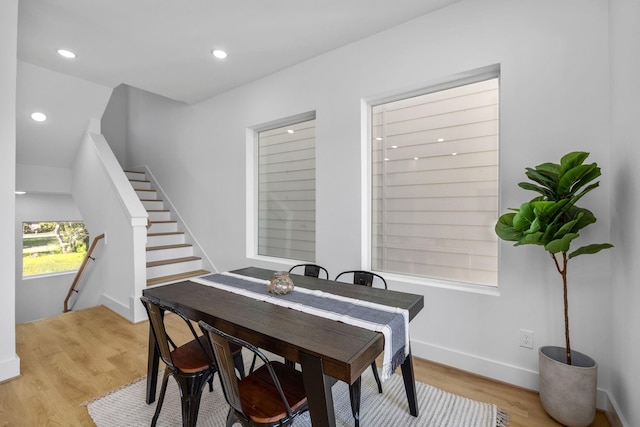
pixel 392 322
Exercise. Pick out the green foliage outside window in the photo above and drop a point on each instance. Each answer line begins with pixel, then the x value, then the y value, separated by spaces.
pixel 53 247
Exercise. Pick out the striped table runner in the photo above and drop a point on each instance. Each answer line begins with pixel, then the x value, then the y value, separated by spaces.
pixel 392 322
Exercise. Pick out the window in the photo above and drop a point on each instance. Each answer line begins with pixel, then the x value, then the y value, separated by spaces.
pixel 287 191
pixel 52 247
pixel 435 184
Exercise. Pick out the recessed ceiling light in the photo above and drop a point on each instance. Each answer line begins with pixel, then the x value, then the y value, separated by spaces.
pixel 290 131
pixel 21 192
pixel 220 54
pixel 378 139
pixel 440 139
pixel 394 146
pixel 66 53
pixel 39 117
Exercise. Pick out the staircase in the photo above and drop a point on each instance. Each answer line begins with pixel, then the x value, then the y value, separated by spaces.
pixel 169 257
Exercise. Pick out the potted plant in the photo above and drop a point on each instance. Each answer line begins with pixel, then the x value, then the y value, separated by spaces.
pixel 552 220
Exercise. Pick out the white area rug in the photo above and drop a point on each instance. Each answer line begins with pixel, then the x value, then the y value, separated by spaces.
pixel 126 407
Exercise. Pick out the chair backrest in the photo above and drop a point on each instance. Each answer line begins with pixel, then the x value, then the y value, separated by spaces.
pixel 155 312
pixel 220 342
pixel 312 270
pixel 365 278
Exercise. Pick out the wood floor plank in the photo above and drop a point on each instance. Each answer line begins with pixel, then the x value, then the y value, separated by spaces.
pixel 77 356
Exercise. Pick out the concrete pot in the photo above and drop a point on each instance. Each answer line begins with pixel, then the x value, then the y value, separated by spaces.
pixel 568 392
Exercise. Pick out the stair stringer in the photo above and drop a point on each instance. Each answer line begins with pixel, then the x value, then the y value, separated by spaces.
pixel 207 263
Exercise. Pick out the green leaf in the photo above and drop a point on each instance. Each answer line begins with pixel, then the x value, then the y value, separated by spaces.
pixel 566 228
pixel 531 239
pixel 504 228
pixel 571 160
pixel 553 168
pixel 569 179
pixel 524 218
pixel 562 244
pixel 544 178
pixel 542 190
pixel 590 249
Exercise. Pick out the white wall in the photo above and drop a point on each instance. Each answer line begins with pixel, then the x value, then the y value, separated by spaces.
pixel 114 123
pixel 109 205
pixel 625 152
pixel 554 99
pixel 9 360
pixel 43 179
pixel 40 297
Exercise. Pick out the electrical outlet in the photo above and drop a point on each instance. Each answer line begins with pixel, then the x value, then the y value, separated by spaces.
pixel 526 338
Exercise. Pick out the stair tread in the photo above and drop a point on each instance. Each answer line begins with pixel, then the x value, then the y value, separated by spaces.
pixel 172 261
pixel 168 233
pixel 171 221
pixel 151 200
pixel 157 210
pixel 176 277
pixel 159 248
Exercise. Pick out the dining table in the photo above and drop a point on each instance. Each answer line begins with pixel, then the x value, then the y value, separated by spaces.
pixel 327 350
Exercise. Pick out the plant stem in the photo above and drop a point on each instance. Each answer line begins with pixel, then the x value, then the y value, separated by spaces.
pixel 563 272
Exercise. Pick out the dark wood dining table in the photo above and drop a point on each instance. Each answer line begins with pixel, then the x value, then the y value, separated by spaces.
pixel 326 350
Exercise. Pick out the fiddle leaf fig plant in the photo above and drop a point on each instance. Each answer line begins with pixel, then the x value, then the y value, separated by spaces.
pixel 552 219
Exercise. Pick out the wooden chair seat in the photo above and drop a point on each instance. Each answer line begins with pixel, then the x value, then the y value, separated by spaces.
pixel 272 395
pixel 260 398
pixel 189 357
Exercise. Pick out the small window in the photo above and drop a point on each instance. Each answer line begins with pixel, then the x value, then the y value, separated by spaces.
pixel 435 184
pixel 52 247
pixel 287 191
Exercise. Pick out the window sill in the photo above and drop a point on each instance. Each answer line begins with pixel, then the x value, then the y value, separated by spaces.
pixel 441 284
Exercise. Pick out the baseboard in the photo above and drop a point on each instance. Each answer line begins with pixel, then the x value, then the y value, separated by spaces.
pixel 498 371
pixel 116 306
pixel 613 413
pixel 10 368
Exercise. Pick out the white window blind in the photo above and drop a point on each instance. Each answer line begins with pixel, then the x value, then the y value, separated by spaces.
pixel 435 184
pixel 287 192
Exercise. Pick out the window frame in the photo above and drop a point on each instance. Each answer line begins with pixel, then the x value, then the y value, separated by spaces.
pixel 367 105
pixel 53 273
pixel 253 170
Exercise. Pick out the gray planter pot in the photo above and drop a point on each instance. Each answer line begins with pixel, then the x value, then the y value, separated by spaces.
pixel 568 392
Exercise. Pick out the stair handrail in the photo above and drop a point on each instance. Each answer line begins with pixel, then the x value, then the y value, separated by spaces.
pixel 76 280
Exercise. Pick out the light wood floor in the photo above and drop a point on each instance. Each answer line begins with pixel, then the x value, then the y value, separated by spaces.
pixel 72 358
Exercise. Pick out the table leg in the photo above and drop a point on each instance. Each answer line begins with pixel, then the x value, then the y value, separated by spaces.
pixel 318 388
pixel 410 384
pixel 153 360
pixel 355 391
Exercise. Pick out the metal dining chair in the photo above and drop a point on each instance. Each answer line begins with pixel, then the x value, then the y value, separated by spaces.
pixel 272 395
pixel 192 365
pixel 312 270
pixel 367 278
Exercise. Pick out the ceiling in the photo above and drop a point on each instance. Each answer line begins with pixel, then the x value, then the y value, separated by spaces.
pixel 164 46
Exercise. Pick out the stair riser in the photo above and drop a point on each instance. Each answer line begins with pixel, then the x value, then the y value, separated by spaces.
pixel 153 204
pixel 136 175
pixel 160 216
pixel 165 227
pixel 171 239
pixel 169 269
pixel 147 194
pixel 141 185
pixel 164 254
